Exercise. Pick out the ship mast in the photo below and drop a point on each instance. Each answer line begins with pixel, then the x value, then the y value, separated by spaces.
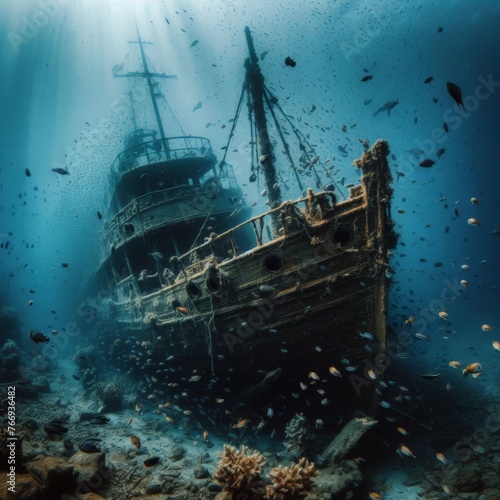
pixel 152 85
pixel 255 85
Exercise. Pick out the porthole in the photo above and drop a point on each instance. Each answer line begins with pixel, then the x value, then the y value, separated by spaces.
pixel 341 236
pixel 193 289
pixel 273 263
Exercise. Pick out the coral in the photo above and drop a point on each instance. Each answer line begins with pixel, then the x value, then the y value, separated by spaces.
pixel 10 358
pixel 239 471
pixel 297 429
pixel 291 482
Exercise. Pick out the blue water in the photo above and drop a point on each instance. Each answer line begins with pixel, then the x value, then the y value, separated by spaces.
pixel 61 107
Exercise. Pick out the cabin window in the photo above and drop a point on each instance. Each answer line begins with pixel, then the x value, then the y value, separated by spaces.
pixel 273 263
pixel 193 289
pixel 341 236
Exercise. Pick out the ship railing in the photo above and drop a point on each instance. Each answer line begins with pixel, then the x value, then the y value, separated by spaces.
pixel 195 259
pixel 160 150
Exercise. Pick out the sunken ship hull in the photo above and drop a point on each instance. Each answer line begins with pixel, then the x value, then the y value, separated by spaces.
pixel 270 322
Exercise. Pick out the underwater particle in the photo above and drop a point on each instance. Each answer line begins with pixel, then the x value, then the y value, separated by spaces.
pixel 464 283
pixel 303 386
pixel 427 163
pixel 474 222
pixel 37 337
pixel 474 368
pixel 27 172
pixel 290 62
pixel 136 441
pixel 429 79
pixel 443 315
pixel 487 328
pixel 151 461
pixel 455 92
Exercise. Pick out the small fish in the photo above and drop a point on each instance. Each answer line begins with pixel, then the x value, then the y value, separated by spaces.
pixel 314 376
pixel 152 461
pixel 130 420
pixel 443 315
pixel 290 62
pixel 384 404
pixel 474 201
pixel 455 92
pixel 429 376
pixel 138 407
pixel 440 29
pixel 89 445
pixel 182 310
pixel 373 495
pixel 366 335
pixel 334 371
pixel 421 336
pixel 487 328
pixel 406 451
pixel 76 377
pixel 448 386
pixel 195 378
pixel 99 215
pixel 367 78
pixel 429 79
pixel 440 152
pixel 198 106
pixel 64 264
pixel 402 431
pixel 474 222
pixel 441 458
pixel 136 441
pixel 196 42
pixel 409 321
pixel 454 364
pixel 263 55
pixel 60 171
pixel 38 337
pixel 242 423
pixel 496 345
pixel 99 420
pixel 372 374
pixel 27 172
pixel 474 368
pixel 427 163
pixel 445 127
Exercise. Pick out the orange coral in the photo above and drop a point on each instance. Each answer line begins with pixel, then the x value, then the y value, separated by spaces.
pixel 239 471
pixel 291 482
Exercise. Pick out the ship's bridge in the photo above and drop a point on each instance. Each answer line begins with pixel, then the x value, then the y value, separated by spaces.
pixel 148 163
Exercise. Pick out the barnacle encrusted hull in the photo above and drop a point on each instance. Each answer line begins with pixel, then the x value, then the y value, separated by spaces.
pixel 264 319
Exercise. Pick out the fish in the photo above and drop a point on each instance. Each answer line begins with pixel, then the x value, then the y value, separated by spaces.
pixel 344 128
pixel 416 152
pixel 474 368
pixel 455 92
pixel 55 428
pixel 60 171
pixel 429 79
pixel 402 431
pixel 54 332
pixel 205 436
pixel 263 55
pixel 372 374
pixel 182 310
pixel 440 152
pixel 136 441
pixel 195 42
pixel 89 445
pixel 454 364
pixel 138 407
pixel 198 106
pixel 99 215
pixel 290 62
pixel 487 328
pixel 30 302
pixel 76 377
pixel 64 264
pixel 242 423
pixel 367 78
pixel 27 172
pixel 100 420
pixel 443 315
pixel 314 376
pixel 421 336
pixel 334 371
pixel 448 386
pixel 427 163
pixel 441 458
pixel 445 127
pixel 474 222
pixel 496 345
pixel 405 451
pixel 130 420
pixel 387 107
pixel 151 461
pixel 195 378
pixel 429 376
pixel 440 30
pixel 373 495
pixel 366 335
pixel 474 201
pixel 464 283
pixel 38 337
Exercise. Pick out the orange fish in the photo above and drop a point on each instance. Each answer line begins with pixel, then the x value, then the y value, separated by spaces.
pixel 168 419
pixel 441 458
pixel 136 441
pixel 454 364
pixel 496 345
pixel 182 310
pixel 241 424
pixel 443 314
pixel 487 328
pixel 410 321
pixel 474 368
pixel 205 436
pixel 374 495
pixel 334 371
pixel 405 451
pixel 402 431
